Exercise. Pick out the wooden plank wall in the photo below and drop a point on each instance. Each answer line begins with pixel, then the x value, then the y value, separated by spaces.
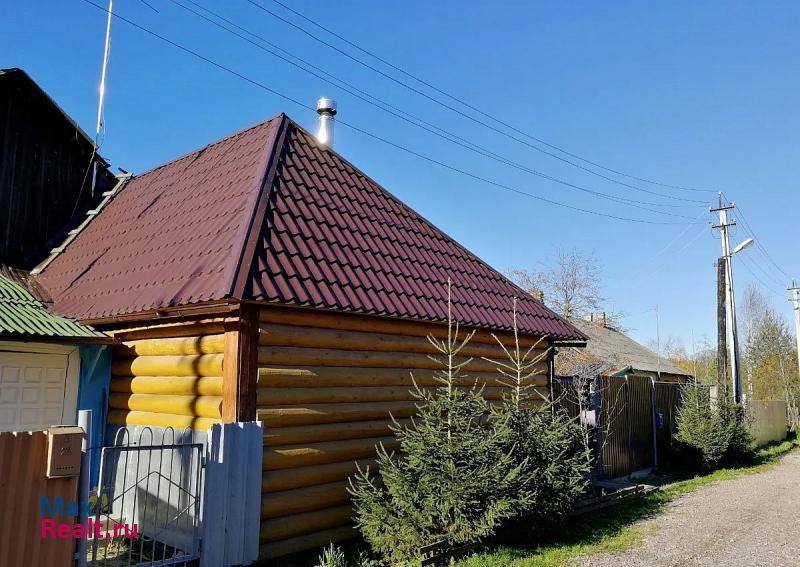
pixel 168 375
pixel 326 385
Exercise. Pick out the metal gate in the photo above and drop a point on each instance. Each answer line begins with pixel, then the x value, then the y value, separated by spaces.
pixel 146 509
pixel 668 397
pixel 627 425
pixel 638 418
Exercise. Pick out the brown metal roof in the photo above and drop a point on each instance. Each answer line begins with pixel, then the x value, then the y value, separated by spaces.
pixel 268 214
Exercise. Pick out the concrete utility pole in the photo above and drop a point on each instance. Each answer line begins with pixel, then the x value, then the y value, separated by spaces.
pixel 796 306
pixel 732 335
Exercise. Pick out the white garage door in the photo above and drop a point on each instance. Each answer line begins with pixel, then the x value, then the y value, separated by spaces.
pixel 34 392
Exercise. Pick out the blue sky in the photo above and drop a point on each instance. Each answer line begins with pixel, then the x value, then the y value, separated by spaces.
pixel 698 94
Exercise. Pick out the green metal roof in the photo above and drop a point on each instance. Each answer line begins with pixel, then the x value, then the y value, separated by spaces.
pixel 24 316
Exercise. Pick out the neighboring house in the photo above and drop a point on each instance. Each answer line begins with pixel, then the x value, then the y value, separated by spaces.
pixel 610 352
pixel 265 277
pixel 46 165
pixel 50 366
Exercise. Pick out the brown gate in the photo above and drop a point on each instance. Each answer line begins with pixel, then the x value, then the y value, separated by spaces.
pixel 667 403
pixel 626 425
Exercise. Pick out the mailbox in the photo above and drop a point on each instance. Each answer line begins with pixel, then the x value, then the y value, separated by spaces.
pixel 64 451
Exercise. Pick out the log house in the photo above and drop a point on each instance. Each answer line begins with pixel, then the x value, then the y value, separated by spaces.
pixel 265 277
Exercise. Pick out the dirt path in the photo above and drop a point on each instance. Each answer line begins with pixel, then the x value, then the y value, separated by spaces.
pixel 752 520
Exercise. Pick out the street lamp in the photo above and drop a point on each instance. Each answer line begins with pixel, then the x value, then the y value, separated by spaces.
pixel 742 245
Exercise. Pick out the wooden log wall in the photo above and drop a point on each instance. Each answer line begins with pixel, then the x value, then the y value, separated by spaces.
pixel 326 386
pixel 168 375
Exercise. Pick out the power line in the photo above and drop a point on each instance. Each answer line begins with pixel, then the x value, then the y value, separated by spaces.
pixel 759 245
pixel 470 117
pixel 769 275
pixel 457 99
pixel 369 134
pixel 404 115
pixel 755 276
pixel 659 267
pixel 678 237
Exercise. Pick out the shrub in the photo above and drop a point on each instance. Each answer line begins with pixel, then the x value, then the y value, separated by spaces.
pixel 332 556
pixel 710 435
pixel 453 483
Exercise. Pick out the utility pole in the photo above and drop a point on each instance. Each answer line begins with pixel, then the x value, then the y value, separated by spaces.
pixel 730 300
pixel 722 333
pixel 796 306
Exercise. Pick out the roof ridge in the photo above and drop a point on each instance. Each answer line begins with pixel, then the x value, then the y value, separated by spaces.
pixel 207 146
pixel 246 246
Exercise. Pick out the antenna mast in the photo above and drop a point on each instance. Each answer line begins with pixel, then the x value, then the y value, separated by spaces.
pixel 100 102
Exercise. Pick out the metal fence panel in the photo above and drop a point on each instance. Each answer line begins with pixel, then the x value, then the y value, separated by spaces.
pixel 640 420
pixel 232 503
pixel 23 483
pixel 150 481
pixel 614 427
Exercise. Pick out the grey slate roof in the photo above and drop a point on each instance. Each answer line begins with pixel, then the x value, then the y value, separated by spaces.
pixel 619 351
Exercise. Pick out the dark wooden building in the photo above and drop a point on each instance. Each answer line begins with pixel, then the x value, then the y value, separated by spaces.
pixel 45 172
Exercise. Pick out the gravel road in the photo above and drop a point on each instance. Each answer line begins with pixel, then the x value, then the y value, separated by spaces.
pixel 749 521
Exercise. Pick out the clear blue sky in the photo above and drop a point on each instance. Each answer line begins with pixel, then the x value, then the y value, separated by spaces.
pixel 701 94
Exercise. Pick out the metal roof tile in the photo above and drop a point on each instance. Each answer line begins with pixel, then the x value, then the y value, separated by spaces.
pixel 336 240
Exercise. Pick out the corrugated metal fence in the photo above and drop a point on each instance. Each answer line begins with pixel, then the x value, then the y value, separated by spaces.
pixel 23 483
pixel 637 421
pixel 667 403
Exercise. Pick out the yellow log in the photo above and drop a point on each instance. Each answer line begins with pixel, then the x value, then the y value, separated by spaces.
pixel 296 356
pixel 172 365
pixel 290 456
pixel 122 417
pixel 328 432
pixel 277 504
pixel 393 325
pixel 311 414
pixel 285 479
pixel 275 549
pixel 174 385
pixel 303 396
pixel 207 344
pixel 289 335
pixel 337 376
pixel 306 522
pixel 179 329
pixel 198 406
pixel 285 416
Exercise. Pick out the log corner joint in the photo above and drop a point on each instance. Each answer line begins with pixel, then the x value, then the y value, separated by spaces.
pixel 240 366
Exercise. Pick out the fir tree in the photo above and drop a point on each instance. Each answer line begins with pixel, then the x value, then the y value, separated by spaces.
pixel 711 434
pixel 454 479
pixel 543 442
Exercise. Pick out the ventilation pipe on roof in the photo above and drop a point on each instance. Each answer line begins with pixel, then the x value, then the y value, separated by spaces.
pixel 326 108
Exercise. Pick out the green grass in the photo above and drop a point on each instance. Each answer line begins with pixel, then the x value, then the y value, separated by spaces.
pixel 611 530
